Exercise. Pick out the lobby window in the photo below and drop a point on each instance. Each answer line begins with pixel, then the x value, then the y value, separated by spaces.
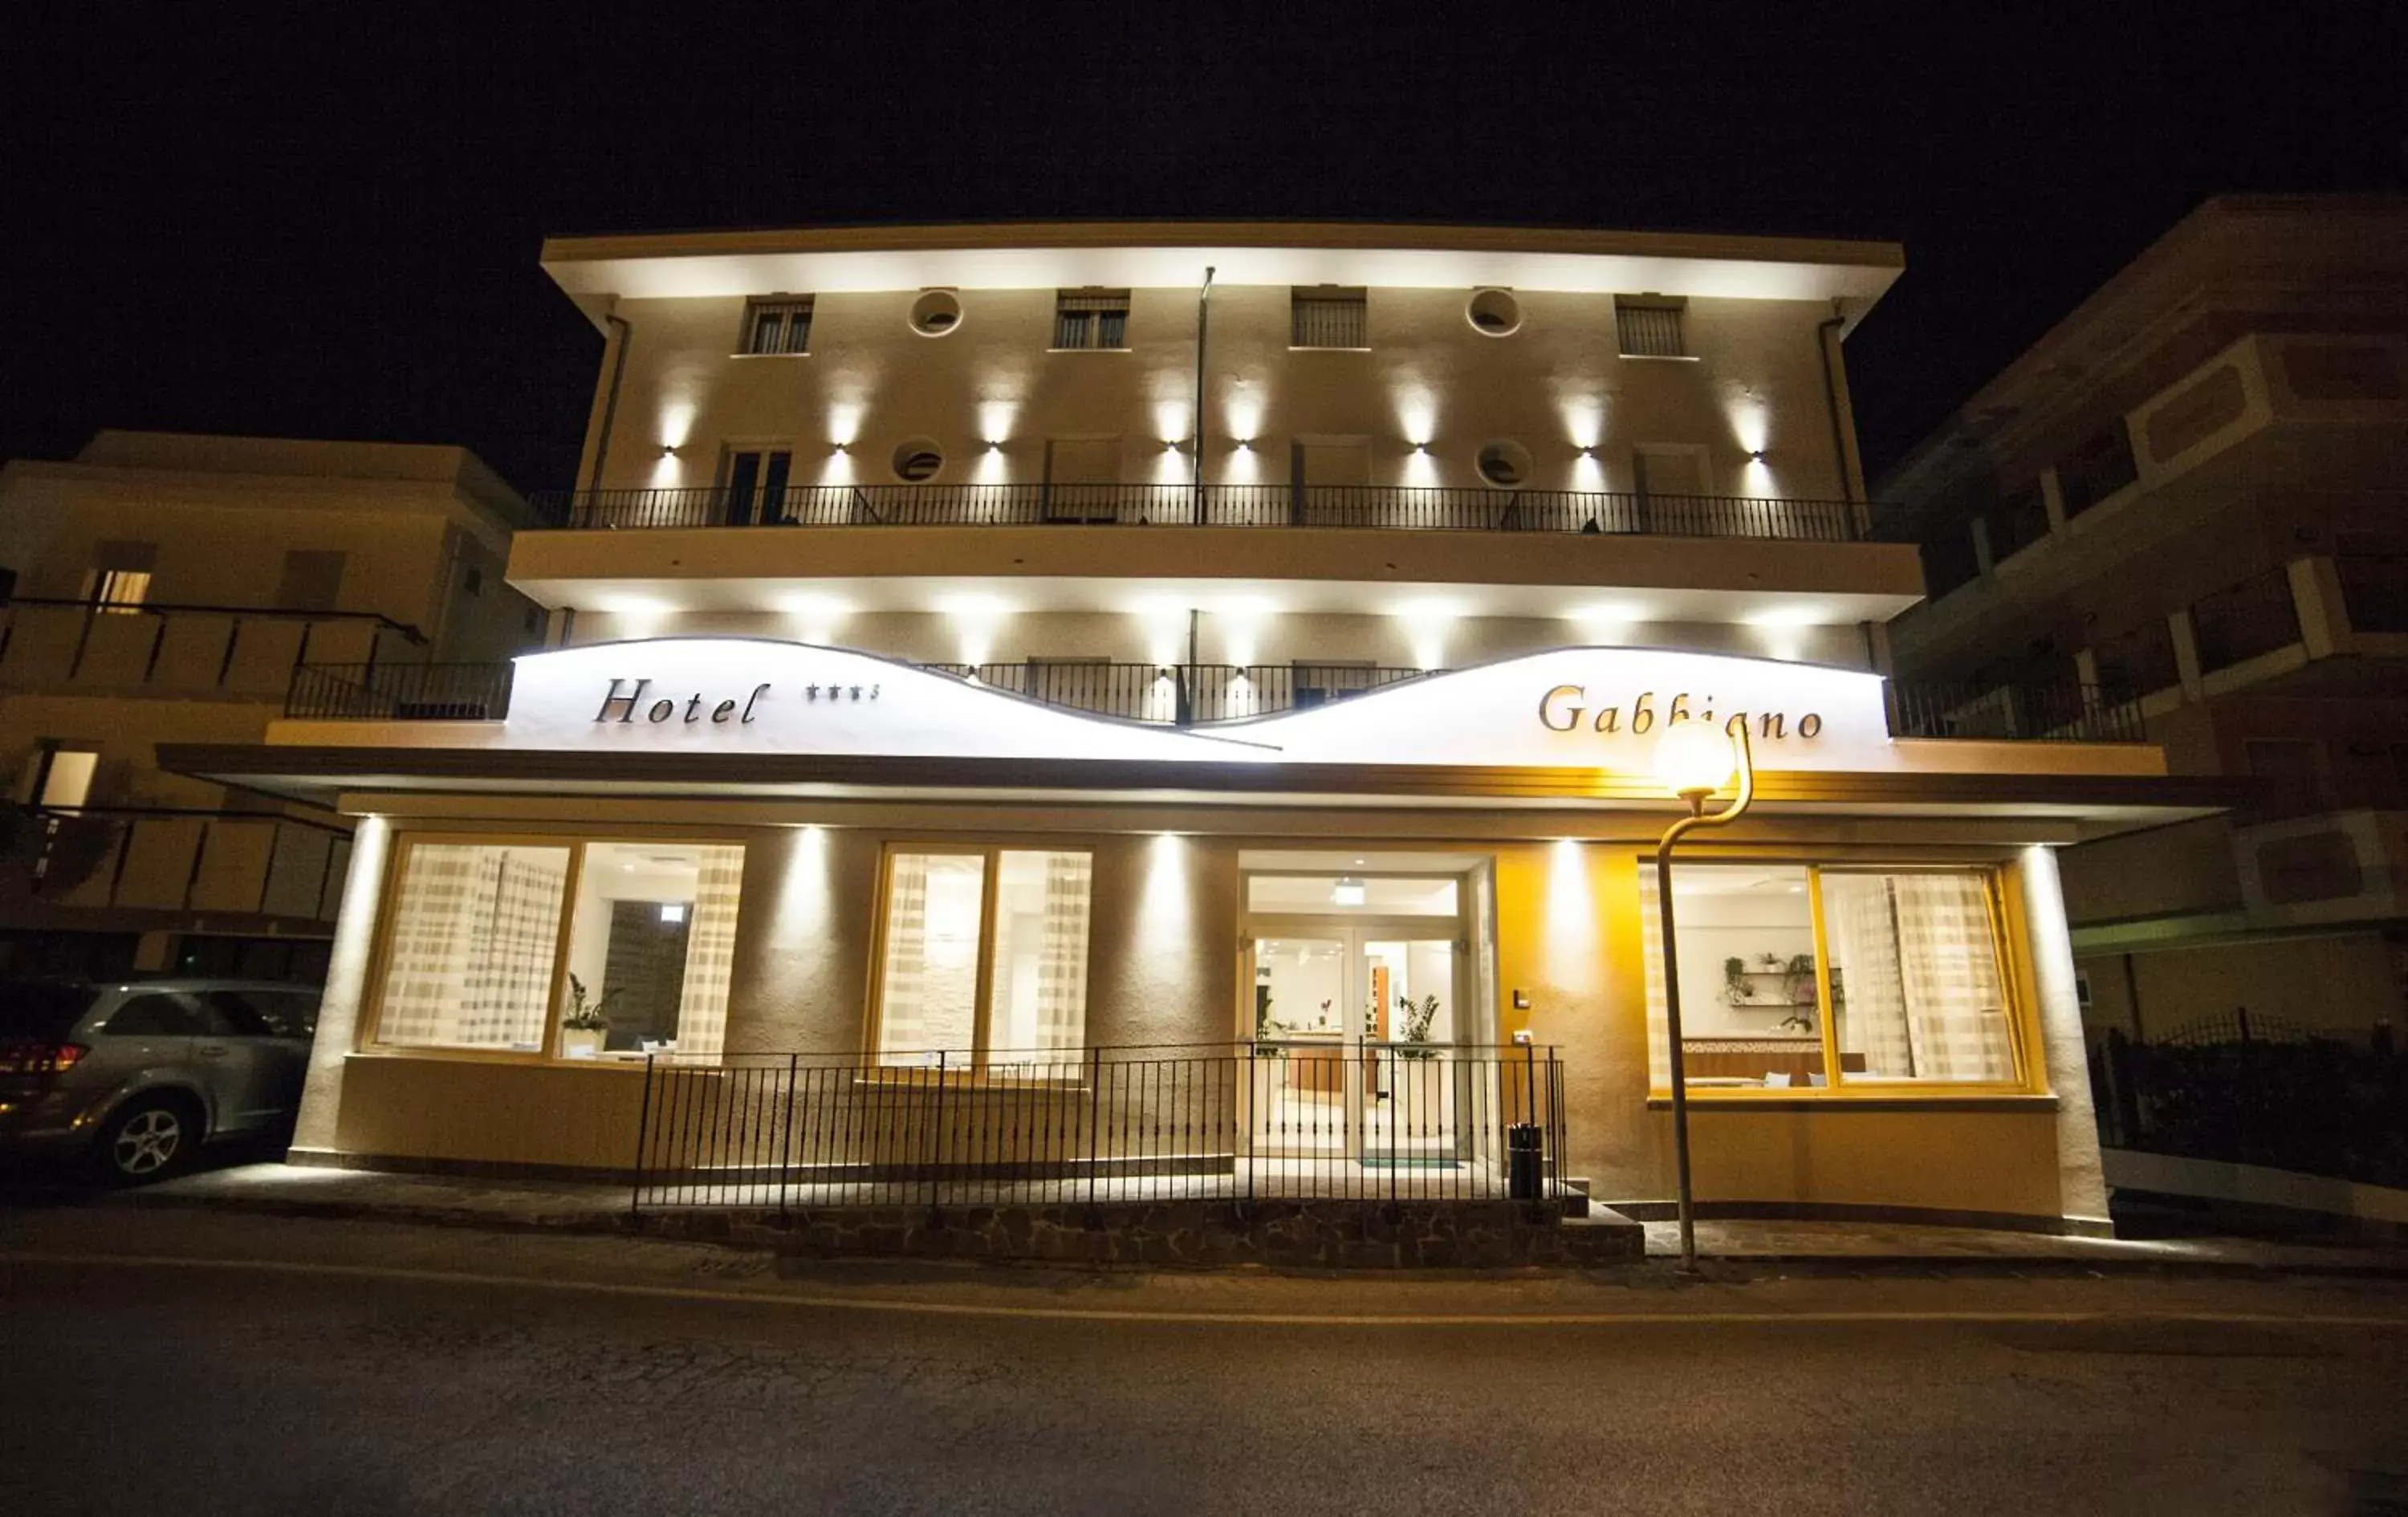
pixel 63 781
pixel 1326 316
pixel 983 954
pixel 1650 326
pixel 473 945
pixel 777 326
pixel 1091 319
pixel 1804 980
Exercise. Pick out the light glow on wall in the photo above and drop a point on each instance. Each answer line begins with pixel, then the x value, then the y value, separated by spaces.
pixel 1603 621
pixel 1426 625
pixel 1242 619
pixel 816 615
pixel 639 616
pixel 1570 948
pixel 805 911
pixel 677 426
pixel 1782 629
pixel 844 423
pixel 976 620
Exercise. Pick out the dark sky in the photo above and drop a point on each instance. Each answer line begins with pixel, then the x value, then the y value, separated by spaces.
pixel 218 225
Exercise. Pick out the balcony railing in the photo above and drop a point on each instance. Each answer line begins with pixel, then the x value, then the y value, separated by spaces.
pixel 1377 1121
pixel 1180 694
pixel 178 859
pixel 1391 507
pixel 48 643
pixel 2066 712
pixel 400 691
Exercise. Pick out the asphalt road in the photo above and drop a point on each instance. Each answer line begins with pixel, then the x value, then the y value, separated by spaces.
pixel 371 1369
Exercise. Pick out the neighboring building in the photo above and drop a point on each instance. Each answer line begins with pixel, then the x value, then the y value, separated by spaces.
pixel 948 710
pixel 166 588
pixel 2188 496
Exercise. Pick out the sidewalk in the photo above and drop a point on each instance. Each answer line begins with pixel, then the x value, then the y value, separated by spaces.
pixel 277 1189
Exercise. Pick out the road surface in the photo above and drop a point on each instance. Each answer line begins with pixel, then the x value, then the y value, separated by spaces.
pixel 154 1364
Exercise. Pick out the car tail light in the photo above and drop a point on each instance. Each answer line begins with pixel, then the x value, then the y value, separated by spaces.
pixel 40 1058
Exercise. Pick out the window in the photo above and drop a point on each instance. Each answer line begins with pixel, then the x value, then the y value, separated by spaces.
pixel 1326 316
pixel 756 484
pixel 1504 463
pixel 777 326
pixel 120 579
pixel 1795 978
pixel 1091 319
pixel 936 314
pixel 917 460
pixel 156 1015
pixel 63 781
pixel 984 953
pixel 473 945
pixel 1649 326
pixel 312 581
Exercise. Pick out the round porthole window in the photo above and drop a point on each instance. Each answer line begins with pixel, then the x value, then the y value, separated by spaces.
pixel 1494 312
pixel 936 314
pixel 1505 465
pixel 918 460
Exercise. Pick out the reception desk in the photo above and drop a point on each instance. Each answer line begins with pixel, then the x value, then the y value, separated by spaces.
pixel 1749 1060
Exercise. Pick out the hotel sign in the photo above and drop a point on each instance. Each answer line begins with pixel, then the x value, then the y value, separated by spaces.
pixel 1572 707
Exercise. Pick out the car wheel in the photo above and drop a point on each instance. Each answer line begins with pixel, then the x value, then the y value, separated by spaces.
pixel 149 1139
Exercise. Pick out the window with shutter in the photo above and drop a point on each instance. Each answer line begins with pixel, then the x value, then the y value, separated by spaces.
pixel 1091 320
pixel 1328 317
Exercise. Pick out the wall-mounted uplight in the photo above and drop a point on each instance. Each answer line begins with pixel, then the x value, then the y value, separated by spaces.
pixel 1755 455
pixel 994 445
pixel 1421 448
pixel 1244 445
pixel 1349 890
pixel 668 450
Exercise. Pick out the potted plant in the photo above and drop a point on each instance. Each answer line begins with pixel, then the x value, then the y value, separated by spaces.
pixel 581 1030
pixel 1735 981
pixel 1414 1027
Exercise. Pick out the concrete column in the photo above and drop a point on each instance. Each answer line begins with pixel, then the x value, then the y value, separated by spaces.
pixel 2082 1184
pixel 2186 656
pixel 2324 615
pixel 346 994
pixel 2052 499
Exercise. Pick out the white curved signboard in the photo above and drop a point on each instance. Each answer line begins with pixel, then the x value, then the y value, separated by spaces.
pixel 1586 706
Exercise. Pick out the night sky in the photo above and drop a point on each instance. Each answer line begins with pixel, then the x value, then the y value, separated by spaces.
pixel 216 225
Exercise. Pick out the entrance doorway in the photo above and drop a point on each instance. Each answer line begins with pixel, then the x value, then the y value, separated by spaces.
pixel 1364 1006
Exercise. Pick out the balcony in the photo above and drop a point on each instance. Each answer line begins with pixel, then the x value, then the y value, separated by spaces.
pixel 224 864
pixel 1201 694
pixel 1392 507
pixel 63 647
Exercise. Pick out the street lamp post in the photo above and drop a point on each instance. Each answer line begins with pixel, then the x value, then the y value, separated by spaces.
pixel 1693 761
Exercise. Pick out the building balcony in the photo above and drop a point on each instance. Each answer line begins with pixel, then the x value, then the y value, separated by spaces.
pixel 82 647
pixel 1202 694
pixel 245 867
pixel 1394 507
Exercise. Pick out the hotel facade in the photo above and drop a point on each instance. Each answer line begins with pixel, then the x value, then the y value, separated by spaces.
pixel 1079 703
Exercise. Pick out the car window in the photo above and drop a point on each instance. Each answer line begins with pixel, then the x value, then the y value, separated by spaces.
pixel 32 1009
pixel 154 1015
pixel 228 1014
pixel 293 1013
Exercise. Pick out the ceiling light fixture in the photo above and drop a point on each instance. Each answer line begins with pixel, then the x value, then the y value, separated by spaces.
pixel 1349 890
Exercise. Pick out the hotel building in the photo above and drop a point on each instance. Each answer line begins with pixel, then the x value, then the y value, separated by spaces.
pixel 990 660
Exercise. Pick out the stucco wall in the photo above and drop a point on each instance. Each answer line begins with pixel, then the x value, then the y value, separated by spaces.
pixel 1555 385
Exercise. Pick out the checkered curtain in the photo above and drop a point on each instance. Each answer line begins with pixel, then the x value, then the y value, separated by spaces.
pixel 1659 1017
pixel 1859 922
pixel 710 953
pixel 903 977
pixel 1062 949
pixel 474 930
pixel 1956 1001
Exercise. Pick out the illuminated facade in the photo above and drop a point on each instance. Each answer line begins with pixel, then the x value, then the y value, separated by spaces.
pixel 983 652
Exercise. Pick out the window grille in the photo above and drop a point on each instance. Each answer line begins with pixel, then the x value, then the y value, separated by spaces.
pixel 778 326
pixel 1326 318
pixel 1649 328
pixel 1091 319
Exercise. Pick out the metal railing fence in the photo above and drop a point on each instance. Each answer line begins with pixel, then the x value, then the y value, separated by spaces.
pixel 1240 1121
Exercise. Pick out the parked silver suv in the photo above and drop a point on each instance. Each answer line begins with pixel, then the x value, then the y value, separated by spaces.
pixel 139 1074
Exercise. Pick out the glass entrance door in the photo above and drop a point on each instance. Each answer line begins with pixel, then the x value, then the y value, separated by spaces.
pixel 1353 1024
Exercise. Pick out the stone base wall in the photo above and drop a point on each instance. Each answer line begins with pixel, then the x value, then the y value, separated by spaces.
pixel 1328 1235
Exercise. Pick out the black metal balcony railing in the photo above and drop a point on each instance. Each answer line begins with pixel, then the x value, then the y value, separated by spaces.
pixel 1272 1121
pixel 1191 694
pixel 179 859
pixel 400 691
pixel 2242 621
pixel 1392 506
pixel 165 647
pixel 2064 712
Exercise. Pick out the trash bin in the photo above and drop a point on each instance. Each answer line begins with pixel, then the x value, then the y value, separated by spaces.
pixel 1524 1157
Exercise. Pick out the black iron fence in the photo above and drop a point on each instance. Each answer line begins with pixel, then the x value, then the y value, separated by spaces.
pixel 2039 711
pixel 400 691
pixel 2259 1090
pixel 1180 694
pixel 1395 507
pixel 1204 1121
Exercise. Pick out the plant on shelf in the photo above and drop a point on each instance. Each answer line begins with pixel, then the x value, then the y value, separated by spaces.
pixel 1735 981
pixel 1772 963
pixel 1797 980
pixel 1414 1027
pixel 583 1028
